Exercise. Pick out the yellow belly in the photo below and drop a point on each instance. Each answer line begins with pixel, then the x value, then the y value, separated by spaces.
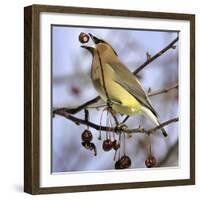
pixel 129 104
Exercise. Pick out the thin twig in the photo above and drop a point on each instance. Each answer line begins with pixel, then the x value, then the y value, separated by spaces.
pixel 162 125
pixel 163 90
pixel 149 131
pixel 151 59
pixel 77 109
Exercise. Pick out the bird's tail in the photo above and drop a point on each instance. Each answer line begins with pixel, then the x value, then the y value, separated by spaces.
pixel 154 119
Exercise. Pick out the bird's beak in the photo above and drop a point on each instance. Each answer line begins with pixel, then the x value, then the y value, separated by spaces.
pixel 90 49
pixel 94 39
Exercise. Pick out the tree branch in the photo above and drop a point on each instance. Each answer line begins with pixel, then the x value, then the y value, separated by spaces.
pixel 151 59
pixel 77 109
pixel 163 90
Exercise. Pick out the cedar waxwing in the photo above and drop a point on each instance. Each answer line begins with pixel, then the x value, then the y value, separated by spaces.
pixel 115 82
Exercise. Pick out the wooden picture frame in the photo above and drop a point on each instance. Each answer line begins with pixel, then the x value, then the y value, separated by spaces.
pixel 32 93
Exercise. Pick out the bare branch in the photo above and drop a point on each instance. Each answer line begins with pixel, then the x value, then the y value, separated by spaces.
pixel 151 59
pixel 163 90
pixel 77 109
pixel 149 131
pixel 162 125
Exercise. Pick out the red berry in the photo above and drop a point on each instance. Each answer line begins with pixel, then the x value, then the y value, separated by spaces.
pixel 117 165
pixel 86 135
pixel 150 161
pixel 115 145
pixel 83 37
pixel 125 162
pixel 107 145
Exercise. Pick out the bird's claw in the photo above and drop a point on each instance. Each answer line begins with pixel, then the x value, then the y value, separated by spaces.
pixel 120 127
pixel 109 103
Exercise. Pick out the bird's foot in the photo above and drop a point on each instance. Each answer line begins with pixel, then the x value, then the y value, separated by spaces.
pixel 120 127
pixel 109 103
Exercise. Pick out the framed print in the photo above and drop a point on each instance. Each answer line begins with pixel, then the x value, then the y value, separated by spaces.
pixel 109 99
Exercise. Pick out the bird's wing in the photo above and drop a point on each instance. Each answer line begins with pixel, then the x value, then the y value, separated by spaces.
pixel 124 77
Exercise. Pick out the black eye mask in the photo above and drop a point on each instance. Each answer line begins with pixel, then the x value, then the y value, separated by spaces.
pixel 97 41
